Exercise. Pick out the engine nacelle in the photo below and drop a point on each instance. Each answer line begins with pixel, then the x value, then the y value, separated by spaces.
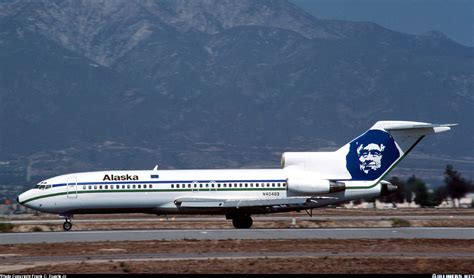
pixel 311 187
pixel 387 188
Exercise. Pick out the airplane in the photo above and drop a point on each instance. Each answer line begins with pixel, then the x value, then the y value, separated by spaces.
pixel 305 180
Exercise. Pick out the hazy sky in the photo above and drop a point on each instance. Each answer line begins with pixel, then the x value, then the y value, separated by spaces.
pixel 455 18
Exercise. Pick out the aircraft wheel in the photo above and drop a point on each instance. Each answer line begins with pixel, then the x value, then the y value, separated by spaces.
pixel 242 222
pixel 67 225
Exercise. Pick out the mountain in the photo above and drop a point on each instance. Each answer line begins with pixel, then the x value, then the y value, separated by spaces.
pixel 103 84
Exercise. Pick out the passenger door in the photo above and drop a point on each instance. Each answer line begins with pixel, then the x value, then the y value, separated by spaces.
pixel 71 187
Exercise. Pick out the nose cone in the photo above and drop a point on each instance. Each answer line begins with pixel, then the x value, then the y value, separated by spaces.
pixel 23 197
pixel 20 198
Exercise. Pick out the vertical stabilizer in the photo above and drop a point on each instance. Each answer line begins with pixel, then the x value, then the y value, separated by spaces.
pixel 373 154
pixel 368 157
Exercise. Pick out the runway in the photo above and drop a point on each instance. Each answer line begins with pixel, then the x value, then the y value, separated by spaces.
pixel 208 234
pixel 258 218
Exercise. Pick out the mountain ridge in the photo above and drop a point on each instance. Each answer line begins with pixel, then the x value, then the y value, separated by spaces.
pixel 104 83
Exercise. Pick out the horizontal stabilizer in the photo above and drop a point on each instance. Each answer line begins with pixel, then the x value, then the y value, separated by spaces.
pixel 416 127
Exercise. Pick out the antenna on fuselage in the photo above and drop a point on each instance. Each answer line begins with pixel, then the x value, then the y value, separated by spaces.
pixel 156 168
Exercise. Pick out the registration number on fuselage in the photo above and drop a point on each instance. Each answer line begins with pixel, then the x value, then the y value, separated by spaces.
pixel 268 194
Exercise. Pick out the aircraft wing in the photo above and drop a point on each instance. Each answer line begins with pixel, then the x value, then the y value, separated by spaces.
pixel 196 202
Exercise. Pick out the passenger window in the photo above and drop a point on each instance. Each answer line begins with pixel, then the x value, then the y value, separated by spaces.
pixel 106 187
pixel 90 187
pixel 128 186
pixel 100 187
pixel 84 187
pixel 139 186
pixel 95 186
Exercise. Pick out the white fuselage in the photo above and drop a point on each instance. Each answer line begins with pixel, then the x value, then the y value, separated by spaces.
pixel 306 180
pixel 155 191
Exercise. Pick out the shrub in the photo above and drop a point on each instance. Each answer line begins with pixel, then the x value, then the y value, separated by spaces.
pixel 397 222
pixel 5 227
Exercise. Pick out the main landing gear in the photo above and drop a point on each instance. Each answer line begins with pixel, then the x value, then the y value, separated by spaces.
pixel 242 221
pixel 67 225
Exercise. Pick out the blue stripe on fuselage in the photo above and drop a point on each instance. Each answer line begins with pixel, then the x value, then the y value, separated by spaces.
pixel 164 182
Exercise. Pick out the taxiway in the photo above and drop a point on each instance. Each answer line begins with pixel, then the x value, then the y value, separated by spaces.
pixel 220 234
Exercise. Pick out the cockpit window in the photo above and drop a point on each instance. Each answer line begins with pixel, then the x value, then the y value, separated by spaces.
pixel 41 185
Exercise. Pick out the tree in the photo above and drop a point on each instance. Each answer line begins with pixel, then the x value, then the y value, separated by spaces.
pixel 439 195
pixel 456 186
pixel 419 189
pixel 408 189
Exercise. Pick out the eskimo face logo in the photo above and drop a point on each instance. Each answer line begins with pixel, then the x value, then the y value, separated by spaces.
pixel 371 154
pixel 370 157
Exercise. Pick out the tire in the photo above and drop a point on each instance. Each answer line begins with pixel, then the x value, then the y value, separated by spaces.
pixel 242 222
pixel 67 225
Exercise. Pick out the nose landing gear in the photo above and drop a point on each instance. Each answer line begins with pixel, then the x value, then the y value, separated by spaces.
pixel 67 225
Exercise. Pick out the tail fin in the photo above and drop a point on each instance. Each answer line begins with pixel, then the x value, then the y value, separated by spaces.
pixel 376 152
pixel 368 157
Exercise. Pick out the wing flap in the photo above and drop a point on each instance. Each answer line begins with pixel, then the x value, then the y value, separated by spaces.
pixel 195 202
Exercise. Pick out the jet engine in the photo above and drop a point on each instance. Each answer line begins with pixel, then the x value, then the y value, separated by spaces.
pixel 311 187
pixel 387 188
